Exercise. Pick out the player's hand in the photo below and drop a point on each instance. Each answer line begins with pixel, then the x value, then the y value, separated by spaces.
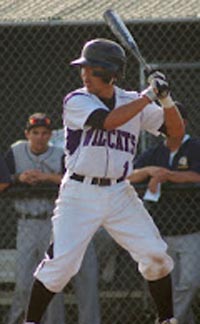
pixel 29 176
pixel 159 175
pixel 158 86
pixel 155 74
pixel 159 83
pixel 153 184
pixel 26 177
pixel 38 176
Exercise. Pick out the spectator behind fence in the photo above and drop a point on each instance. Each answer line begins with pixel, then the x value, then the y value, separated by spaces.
pixel 179 163
pixel 34 162
pixel 85 282
pixel 5 179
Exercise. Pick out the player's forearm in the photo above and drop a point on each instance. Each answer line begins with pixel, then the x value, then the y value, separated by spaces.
pixel 183 176
pixel 53 177
pixel 3 186
pixel 146 172
pixel 174 124
pixel 139 175
pixel 124 113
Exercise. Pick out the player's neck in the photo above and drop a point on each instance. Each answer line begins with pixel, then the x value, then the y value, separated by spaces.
pixel 109 102
pixel 106 92
pixel 36 151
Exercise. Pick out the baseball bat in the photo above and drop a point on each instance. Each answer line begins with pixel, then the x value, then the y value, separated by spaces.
pixel 120 30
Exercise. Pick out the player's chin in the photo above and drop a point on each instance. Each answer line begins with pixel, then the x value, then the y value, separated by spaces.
pixel 89 87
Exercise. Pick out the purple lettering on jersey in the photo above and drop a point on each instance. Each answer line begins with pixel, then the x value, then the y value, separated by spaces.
pixel 119 145
pixel 88 136
pixel 115 139
pixel 126 136
pixel 132 144
pixel 95 138
pixel 102 140
pixel 111 143
pixel 73 140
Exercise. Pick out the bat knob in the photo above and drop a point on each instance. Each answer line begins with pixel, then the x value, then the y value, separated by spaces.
pixel 148 71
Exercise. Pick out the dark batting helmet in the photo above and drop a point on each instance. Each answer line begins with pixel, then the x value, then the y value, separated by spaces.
pixel 103 53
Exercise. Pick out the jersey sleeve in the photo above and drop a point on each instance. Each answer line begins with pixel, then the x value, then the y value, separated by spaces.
pixel 78 108
pixel 152 118
pixel 10 161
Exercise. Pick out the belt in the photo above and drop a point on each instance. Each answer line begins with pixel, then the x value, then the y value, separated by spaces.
pixel 36 217
pixel 95 180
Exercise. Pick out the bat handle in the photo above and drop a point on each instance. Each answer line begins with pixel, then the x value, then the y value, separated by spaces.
pixel 148 70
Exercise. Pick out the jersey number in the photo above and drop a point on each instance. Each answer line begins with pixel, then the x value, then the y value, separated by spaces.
pixel 125 169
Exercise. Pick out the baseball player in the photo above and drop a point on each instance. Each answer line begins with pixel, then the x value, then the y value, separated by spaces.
pixel 34 162
pixel 102 124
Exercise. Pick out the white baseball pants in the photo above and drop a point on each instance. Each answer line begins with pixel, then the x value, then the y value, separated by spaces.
pixel 80 210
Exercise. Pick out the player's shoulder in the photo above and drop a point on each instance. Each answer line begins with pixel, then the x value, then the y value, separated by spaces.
pixel 55 149
pixel 19 144
pixel 75 95
pixel 126 94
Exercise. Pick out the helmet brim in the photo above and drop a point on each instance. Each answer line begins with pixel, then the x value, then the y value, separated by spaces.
pixel 95 63
pixel 80 61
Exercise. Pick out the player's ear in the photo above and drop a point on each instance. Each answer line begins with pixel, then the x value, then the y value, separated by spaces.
pixel 26 133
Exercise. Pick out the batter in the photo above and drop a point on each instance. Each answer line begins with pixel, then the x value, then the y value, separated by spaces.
pixel 102 125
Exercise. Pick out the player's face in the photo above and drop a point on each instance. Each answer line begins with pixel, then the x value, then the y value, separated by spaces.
pixel 94 83
pixel 38 138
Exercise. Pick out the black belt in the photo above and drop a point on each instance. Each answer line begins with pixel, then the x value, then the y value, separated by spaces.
pixel 96 181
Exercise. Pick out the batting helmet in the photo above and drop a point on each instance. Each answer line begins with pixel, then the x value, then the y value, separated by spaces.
pixel 103 53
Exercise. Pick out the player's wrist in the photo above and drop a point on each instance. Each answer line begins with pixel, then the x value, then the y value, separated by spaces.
pixel 149 93
pixel 167 102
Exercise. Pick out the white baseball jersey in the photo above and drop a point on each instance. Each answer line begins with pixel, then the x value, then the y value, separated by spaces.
pixel 110 153
pixel 83 207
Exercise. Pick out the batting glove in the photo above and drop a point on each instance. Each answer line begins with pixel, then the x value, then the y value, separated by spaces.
pixel 149 93
pixel 158 89
pixel 159 81
pixel 158 86
pixel 155 74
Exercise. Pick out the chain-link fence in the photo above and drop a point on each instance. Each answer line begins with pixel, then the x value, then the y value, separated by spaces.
pixel 35 71
pixel 35 76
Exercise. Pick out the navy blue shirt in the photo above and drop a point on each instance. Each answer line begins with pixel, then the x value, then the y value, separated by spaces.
pixel 177 211
pixel 4 172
